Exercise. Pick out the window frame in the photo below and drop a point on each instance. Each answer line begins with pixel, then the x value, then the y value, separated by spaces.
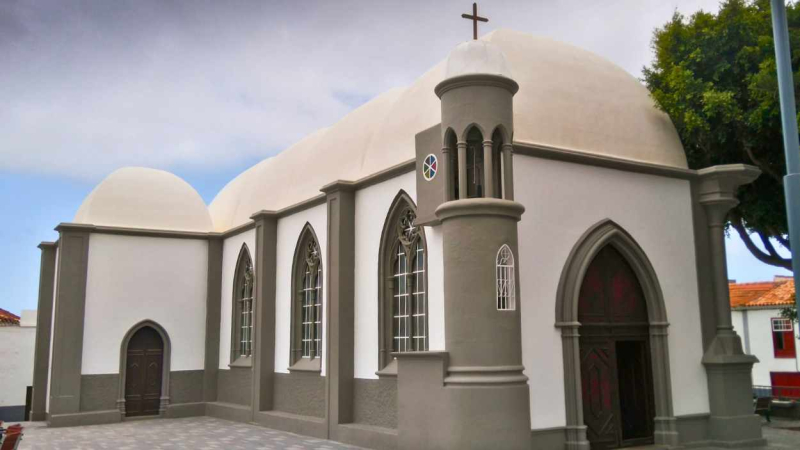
pixel 391 246
pixel 298 360
pixel 508 270
pixel 783 345
pixel 237 357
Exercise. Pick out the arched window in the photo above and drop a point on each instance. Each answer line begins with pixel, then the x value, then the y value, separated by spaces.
pixel 242 329
pixel 403 283
pixel 306 350
pixel 475 166
pixel 506 282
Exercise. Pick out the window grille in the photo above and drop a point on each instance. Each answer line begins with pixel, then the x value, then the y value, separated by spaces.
pixel 244 306
pixel 409 308
pixel 781 325
pixel 506 282
pixel 311 331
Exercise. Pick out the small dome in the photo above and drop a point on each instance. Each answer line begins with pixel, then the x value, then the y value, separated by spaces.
pixel 137 197
pixel 473 57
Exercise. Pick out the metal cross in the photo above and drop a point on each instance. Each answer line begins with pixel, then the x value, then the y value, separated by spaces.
pixel 475 18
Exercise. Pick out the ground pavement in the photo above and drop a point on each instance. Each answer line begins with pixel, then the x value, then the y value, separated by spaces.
pixel 201 433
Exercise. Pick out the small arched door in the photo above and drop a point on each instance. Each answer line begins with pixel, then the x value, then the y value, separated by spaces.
pixel 143 373
pixel 616 375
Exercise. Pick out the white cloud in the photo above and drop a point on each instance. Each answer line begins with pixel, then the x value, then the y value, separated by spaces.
pixel 86 87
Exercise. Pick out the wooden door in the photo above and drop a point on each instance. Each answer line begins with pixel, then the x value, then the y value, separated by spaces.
pixel 616 380
pixel 143 374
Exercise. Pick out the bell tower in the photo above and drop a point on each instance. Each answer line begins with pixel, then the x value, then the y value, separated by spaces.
pixel 477 383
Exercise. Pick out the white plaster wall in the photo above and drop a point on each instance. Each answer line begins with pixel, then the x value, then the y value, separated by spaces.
pixel 562 201
pixel 230 256
pixel 289 229
pixel 133 278
pixel 52 327
pixel 16 370
pixel 435 288
pixel 760 336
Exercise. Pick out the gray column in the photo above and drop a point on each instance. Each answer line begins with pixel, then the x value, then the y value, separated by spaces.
pixel 264 324
pixel 447 174
pixel 488 171
pixel 44 318
pixel 728 368
pixel 508 172
pixel 340 307
pixel 73 258
pixel 462 170
pixel 213 305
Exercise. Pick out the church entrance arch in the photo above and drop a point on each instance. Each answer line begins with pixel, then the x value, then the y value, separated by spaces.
pixel 144 371
pixel 613 324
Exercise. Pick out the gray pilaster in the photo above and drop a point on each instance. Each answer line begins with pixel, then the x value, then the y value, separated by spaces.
pixel 44 319
pixel 213 305
pixel 728 368
pixel 447 161
pixel 340 307
pixel 264 325
pixel 65 382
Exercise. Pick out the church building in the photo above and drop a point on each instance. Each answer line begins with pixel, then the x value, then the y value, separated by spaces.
pixel 510 253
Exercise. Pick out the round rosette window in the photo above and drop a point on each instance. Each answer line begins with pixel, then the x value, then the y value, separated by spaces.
pixel 430 166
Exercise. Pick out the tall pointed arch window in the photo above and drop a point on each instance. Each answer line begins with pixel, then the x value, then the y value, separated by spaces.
pixel 506 281
pixel 242 329
pixel 403 307
pixel 306 348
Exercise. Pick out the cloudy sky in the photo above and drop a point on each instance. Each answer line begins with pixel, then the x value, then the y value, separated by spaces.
pixel 207 88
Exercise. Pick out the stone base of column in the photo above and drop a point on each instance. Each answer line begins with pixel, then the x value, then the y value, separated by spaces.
pixel 576 438
pixel 666 432
pixel 38 416
pixel 435 415
pixel 733 422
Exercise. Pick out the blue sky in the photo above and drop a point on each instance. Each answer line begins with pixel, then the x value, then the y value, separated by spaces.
pixel 205 89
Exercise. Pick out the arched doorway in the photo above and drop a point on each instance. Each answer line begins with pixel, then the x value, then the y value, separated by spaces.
pixel 144 366
pixel 616 379
pixel 605 234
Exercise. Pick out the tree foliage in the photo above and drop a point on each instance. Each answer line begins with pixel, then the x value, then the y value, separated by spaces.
pixel 715 76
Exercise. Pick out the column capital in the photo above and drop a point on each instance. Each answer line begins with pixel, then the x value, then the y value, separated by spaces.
pixel 264 215
pixel 717 186
pixel 337 186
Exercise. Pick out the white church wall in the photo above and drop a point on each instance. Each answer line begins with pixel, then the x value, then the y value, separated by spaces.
pixel 562 201
pixel 289 229
pixel 52 327
pixel 435 288
pixel 230 256
pixel 760 336
pixel 132 278
pixel 372 206
pixel 16 353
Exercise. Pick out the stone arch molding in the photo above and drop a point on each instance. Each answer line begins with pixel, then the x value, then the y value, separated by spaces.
pixel 606 232
pixel 167 357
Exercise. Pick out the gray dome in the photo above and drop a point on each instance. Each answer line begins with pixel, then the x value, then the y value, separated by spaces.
pixel 473 57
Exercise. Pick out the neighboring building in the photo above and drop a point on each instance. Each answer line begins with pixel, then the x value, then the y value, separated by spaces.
pixel 506 254
pixel 17 339
pixel 765 334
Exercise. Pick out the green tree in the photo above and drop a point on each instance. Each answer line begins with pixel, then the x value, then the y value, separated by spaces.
pixel 715 76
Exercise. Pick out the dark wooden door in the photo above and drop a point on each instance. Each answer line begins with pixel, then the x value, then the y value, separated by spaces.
pixel 144 364
pixel 616 380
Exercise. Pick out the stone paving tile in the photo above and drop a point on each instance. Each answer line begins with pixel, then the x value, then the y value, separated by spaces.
pixel 196 433
pixel 208 433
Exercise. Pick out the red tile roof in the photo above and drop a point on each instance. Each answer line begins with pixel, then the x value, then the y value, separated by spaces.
pixel 743 293
pixel 7 319
pixel 778 293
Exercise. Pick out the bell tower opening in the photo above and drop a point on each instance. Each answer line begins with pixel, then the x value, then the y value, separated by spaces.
pixel 475 166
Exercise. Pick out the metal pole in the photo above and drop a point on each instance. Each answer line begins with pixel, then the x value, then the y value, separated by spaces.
pixel 791 182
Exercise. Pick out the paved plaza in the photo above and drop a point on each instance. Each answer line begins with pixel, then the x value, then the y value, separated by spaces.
pixel 196 433
pixel 199 433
